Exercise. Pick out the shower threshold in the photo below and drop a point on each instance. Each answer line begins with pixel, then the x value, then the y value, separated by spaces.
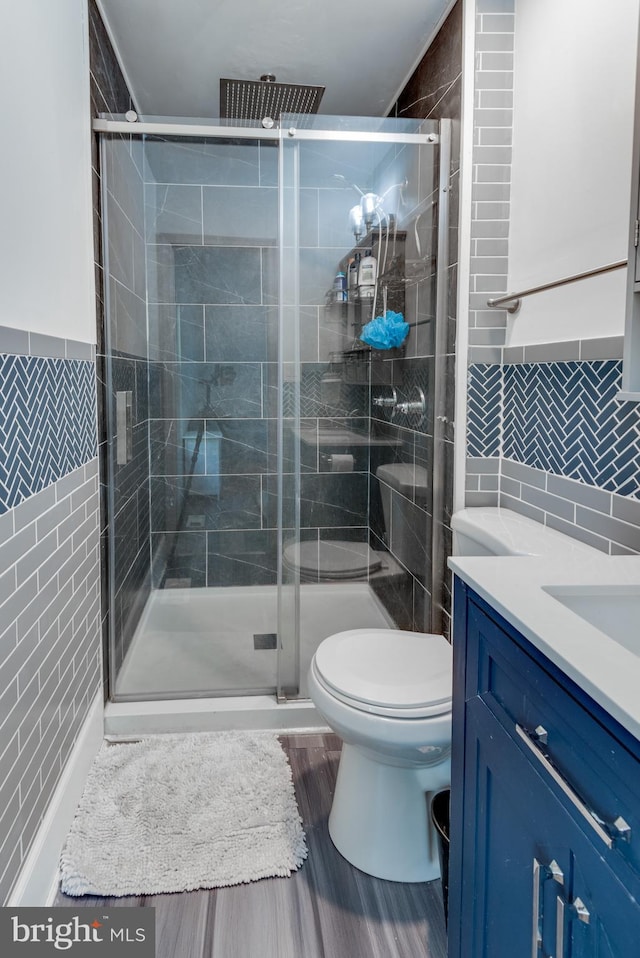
pixel 192 641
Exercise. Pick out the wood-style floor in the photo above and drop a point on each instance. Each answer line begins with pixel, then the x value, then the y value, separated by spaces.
pixel 327 909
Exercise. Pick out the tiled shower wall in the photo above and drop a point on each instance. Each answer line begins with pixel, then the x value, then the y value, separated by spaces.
pixel 212 213
pixel 546 435
pixel 433 92
pixel 211 220
pixel 127 492
pixel 120 278
pixel 50 586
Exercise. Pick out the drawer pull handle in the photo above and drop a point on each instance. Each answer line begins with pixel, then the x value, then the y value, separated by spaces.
pixel 621 829
pixel 540 734
pixel 541 873
pixel 568 911
pixel 575 799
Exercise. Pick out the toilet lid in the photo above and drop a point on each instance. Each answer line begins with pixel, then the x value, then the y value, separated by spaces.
pixel 387 671
pixel 332 559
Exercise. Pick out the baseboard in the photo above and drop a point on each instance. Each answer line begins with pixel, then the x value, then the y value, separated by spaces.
pixel 37 883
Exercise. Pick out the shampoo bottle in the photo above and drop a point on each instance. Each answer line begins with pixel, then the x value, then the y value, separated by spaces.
pixel 367 275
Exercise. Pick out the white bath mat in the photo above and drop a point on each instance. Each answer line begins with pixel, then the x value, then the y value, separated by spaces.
pixel 177 813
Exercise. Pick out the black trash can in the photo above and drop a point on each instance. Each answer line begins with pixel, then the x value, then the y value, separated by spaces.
pixel 440 816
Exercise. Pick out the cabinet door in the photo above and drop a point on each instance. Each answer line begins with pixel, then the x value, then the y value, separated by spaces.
pixel 532 885
pixel 602 918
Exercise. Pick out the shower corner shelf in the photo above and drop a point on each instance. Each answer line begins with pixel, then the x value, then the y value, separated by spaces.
pixel 362 364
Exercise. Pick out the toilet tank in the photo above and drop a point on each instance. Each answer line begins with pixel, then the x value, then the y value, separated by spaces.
pixel 492 530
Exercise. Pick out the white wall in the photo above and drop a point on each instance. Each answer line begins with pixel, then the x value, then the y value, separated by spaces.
pixel 46 244
pixel 573 125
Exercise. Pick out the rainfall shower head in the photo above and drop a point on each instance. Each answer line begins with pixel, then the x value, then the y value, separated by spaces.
pixel 264 98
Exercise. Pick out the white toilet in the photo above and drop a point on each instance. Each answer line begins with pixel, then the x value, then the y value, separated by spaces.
pixel 387 693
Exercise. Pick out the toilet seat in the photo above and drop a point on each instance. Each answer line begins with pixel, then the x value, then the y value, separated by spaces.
pixel 386 672
pixel 331 559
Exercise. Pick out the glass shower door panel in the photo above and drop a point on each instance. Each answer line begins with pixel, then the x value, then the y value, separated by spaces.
pixel 348 190
pixel 208 228
pixel 288 668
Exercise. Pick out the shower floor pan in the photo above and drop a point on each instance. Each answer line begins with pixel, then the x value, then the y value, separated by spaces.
pixel 216 642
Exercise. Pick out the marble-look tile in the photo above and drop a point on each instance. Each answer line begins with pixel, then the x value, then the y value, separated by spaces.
pixel 211 390
pixel 167 445
pixel 202 162
pixel 176 333
pixel 212 274
pixel 106 75
pixel 125 538
pixel 239 333
pixel 335 334
pixel 317 272
pixel 240 216
pixel 205 502
pixel 179 556
pixel 437 70
pixel 128 321
pixel 247 446
pixel 396 595
pixel 334 499
pixel 410 536
pixel 270 276
pixel 421 607
pixel 173 214
pixel 320 162
pixel 120 244
pixel 242 558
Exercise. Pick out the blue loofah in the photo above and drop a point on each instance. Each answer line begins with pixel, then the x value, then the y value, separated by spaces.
pixel 385 332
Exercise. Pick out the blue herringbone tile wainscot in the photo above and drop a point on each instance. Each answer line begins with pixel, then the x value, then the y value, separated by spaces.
pixel 484 412
pixel 562 418
pixel 47 423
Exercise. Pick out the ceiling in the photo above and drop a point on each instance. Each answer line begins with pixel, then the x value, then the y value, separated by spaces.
pixel 173 52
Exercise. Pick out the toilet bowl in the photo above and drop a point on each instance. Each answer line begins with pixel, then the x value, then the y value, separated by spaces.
pixel 387 693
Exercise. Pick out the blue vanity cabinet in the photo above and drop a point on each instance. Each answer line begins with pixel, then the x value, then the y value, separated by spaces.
pixel 545 829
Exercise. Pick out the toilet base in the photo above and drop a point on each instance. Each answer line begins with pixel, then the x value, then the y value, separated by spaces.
pixel 380 819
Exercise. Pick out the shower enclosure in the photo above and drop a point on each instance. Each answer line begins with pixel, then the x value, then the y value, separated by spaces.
pixel 246 419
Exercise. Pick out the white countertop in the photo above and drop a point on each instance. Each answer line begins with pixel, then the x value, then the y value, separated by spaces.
pixel 514 587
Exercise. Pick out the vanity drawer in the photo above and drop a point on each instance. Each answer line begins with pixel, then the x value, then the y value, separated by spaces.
pixel 573 746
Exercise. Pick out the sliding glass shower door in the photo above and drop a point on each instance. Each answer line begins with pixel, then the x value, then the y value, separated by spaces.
pixel 246 419
pixel 191 223
pixel 355 193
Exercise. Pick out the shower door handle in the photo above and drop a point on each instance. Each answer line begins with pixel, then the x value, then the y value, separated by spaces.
pixel 124 427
